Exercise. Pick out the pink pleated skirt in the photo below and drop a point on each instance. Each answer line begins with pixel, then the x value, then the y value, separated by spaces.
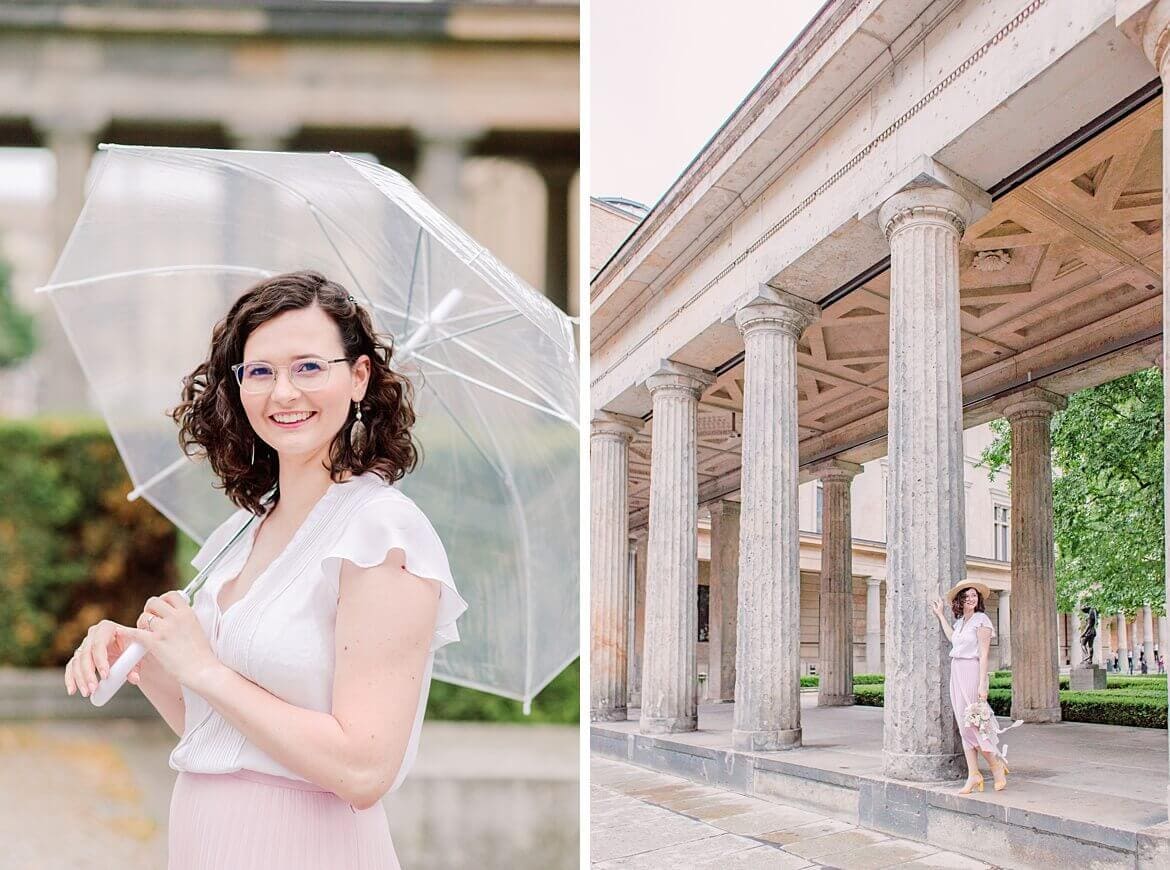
pixel 964 692
pixel 256 821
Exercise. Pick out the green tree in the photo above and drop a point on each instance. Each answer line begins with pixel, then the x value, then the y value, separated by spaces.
pixel 17 333
pixel 1106 494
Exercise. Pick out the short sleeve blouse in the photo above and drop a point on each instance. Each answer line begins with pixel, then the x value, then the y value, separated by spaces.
pixel 280 635
pixel 965 638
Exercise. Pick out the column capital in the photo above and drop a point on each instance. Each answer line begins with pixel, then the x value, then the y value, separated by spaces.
pixel 1003 593
pixel 725 508
pixel 1030 403
pixel 926 191
pixel 834 469
pixel 605 424
pixel 677 377
pixel 873 582
pixel 1146 23
pixel 776 310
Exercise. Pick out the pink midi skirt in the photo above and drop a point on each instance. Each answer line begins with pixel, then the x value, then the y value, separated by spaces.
pixel 965 691
pixel 253 820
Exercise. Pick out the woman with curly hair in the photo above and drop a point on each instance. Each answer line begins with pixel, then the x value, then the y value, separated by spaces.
pixel 298 678
pixel 970 636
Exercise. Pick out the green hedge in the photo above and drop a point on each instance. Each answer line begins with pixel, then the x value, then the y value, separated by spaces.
pixel 74 551
pixel 1118 707
pixel 814 681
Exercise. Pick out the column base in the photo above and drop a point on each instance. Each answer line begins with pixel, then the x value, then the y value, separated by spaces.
pixel 765 741
pixel 942 767
pixel 1037 715
pixel 609 714
pixel 1153 847
pixel 827 700
pixel 668 725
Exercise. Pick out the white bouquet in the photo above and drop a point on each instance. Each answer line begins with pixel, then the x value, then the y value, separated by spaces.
pixel 979 716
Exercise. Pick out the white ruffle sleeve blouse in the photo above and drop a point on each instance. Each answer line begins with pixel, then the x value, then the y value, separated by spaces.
pixel 280 635
pixel 965 638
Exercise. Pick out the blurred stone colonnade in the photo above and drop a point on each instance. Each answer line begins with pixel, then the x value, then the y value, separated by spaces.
pixel 476 103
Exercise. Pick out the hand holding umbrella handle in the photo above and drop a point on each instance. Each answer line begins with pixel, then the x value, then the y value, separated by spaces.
pixel 119 671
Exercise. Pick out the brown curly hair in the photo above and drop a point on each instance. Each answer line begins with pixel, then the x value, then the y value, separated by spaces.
pixel 957 602
pixel 211 417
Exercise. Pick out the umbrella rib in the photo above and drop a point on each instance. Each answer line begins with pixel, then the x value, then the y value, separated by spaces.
pixel 552 412
pixel 166 472
pixel 468 330
pixel 471 438
pixel 156 270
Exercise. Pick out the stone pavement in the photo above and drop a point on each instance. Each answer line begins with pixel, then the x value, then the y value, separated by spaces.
pixel 647 820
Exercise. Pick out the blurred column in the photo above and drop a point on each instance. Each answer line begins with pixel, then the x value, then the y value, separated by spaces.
pixel 669 685
pixel 723 601
pixel 439 170
pixel 1122 645
pixel 558 178
pixel 1163 635
pixel 609 445
pixel 72 139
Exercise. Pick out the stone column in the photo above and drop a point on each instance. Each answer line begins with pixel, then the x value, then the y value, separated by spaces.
pixel 73 141
pixel 1074 637
pixel 1035 677
pixel 1148 638
pixel 767 685
pixel 724 606
pixel 924 508
pixel 439 171
pixel 1148 25
pixel 1163 636
pixel 873 625
pixel 638 635
pixel 558 177
pixel 1122 645
pixel 1005 628
pixel 835 639
pixel 669 688
pixel 609 553
pixel 1099 644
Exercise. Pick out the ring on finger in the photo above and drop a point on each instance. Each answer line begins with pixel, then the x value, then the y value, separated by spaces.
pixel 150 620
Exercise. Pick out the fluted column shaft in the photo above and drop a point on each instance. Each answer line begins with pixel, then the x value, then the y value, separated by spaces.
pixel 767 684
pixel 609 554
pixel 1036 675
pixel 1148 637
pixel 1163 636
pixel 1148 25
pixel 1005 628
pixel 669 690
pixel 724 608
pixel 835 639
pixel 924 512
pixel 873 625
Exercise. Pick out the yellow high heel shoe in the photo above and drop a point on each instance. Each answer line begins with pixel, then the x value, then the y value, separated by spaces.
pixel 1000 786
pixel 973 784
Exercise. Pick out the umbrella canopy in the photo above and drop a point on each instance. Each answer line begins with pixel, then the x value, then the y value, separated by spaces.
pixel 169 238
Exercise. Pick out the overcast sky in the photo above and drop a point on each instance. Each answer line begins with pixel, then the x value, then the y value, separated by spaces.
pixel 666 74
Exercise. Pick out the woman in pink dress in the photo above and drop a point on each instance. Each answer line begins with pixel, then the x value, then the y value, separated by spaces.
pixel 298 677
pixel 970 632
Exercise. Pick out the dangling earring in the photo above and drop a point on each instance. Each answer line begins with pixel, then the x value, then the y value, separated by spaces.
pixel 357 432
pixel 253 462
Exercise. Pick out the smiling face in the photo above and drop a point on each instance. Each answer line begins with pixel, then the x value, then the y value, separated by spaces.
pixel 298 422
pixel 970 599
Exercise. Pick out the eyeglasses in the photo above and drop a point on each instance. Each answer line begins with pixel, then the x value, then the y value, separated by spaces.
pixel 306 374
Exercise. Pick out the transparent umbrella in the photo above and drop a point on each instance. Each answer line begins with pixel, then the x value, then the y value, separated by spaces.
pixel 170 237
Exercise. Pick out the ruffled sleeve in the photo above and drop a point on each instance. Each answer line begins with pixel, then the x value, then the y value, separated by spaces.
pixel 216 541
pixel 393 522
pixel 982 620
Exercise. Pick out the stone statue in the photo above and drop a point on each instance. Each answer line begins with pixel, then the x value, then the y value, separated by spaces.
pixel 1088 635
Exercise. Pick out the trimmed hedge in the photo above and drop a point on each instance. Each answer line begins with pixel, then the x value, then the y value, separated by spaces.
pixel 812 682
pixel 1117 707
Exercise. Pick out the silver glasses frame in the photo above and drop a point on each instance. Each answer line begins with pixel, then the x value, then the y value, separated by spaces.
pixel 238 367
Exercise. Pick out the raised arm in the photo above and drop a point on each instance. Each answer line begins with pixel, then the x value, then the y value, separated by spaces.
pixel 385 621
pixel 939 609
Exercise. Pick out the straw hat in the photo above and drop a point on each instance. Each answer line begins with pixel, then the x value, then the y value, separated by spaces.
pixel 981 588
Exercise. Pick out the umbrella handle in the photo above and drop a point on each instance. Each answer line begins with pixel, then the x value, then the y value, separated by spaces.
pixel 119 670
